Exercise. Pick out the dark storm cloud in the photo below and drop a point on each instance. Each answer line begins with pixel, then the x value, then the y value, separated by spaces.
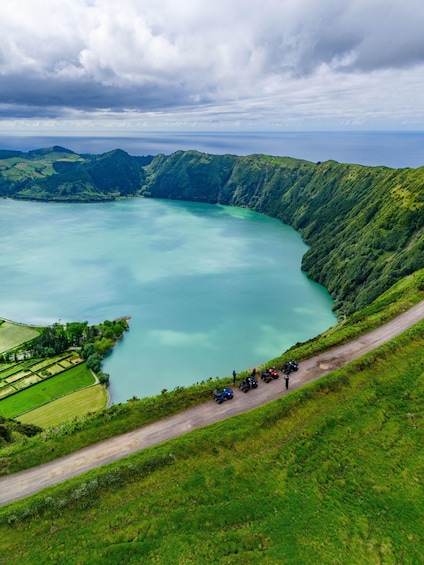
pixel 54 95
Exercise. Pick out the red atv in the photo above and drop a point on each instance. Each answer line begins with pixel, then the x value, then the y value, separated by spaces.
pixel 269 374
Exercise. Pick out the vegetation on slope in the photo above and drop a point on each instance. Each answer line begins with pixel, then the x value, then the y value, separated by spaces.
pixel 329 474
pixel 62 175
pixel 14 430
pixel 364 224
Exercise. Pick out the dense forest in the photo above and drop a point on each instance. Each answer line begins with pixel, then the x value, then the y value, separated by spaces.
pixel 364 225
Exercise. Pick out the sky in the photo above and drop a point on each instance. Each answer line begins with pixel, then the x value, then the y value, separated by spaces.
pixel 126 66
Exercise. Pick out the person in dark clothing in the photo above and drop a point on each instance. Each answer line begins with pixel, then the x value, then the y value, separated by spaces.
pixel 234 377
pixel 254 372
pixel 286 378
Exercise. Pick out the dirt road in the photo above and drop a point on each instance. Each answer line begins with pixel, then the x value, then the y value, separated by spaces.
pixel 25 483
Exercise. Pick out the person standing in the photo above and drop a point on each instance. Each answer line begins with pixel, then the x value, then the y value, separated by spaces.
pixel 234 377
pixel 286 378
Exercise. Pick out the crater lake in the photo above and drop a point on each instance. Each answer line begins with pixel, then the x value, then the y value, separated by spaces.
pixel 209 288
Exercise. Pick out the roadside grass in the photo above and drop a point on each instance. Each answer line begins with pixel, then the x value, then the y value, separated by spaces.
pixel 71 435
pixel 86 430
pixel 12 335
pixel 72 405
pixel 328 474
pixel 45 391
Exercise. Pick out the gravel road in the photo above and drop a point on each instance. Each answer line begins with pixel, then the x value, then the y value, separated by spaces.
pixel 22 484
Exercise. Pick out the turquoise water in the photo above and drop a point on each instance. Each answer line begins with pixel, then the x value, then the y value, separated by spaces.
pixel 209 288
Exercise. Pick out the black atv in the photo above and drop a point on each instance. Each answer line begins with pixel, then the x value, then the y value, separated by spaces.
pixel 289 367
pixel 252 381
pixel 244 386
pixel 248 383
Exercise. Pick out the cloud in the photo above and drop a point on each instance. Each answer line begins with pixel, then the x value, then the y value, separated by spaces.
pixel 218 60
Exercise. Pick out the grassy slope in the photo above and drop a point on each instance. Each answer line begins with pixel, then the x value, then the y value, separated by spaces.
pixel 12 335
pixel 331 473
pixel 59 174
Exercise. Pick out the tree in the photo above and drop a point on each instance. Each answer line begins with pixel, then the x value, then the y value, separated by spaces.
pixel 76 331
pixel 103 378
pixel 88 350
pixel 101 347
pixel 94 362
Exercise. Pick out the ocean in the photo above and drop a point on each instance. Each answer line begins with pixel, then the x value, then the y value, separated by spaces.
pixel 390 149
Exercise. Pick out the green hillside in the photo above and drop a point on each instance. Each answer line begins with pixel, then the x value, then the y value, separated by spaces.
pixel 329 474
pixel 61 175
pixel 363 224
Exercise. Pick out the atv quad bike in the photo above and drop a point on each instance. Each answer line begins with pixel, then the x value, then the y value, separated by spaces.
pixel 248 383
pixel 225 394
pixel 289 367
pixel 252 381
pixel 269 374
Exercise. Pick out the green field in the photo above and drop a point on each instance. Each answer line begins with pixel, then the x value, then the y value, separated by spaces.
pixel 21 168
pixel 45 391
pixel 12 335
pixel 17 376
pixel 72 405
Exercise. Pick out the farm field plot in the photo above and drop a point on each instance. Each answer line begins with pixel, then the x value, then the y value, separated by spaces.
pixel 27 382
pixel 6 391
pixel 24 374
pixel 66 363
pixel 10 370
pixel 17 376
pixel 54 369
pixel 12 335
pixel 43 364
pixel 45 391
pixel 74 404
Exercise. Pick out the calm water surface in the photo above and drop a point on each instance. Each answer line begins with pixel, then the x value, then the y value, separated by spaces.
pixel 209 288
